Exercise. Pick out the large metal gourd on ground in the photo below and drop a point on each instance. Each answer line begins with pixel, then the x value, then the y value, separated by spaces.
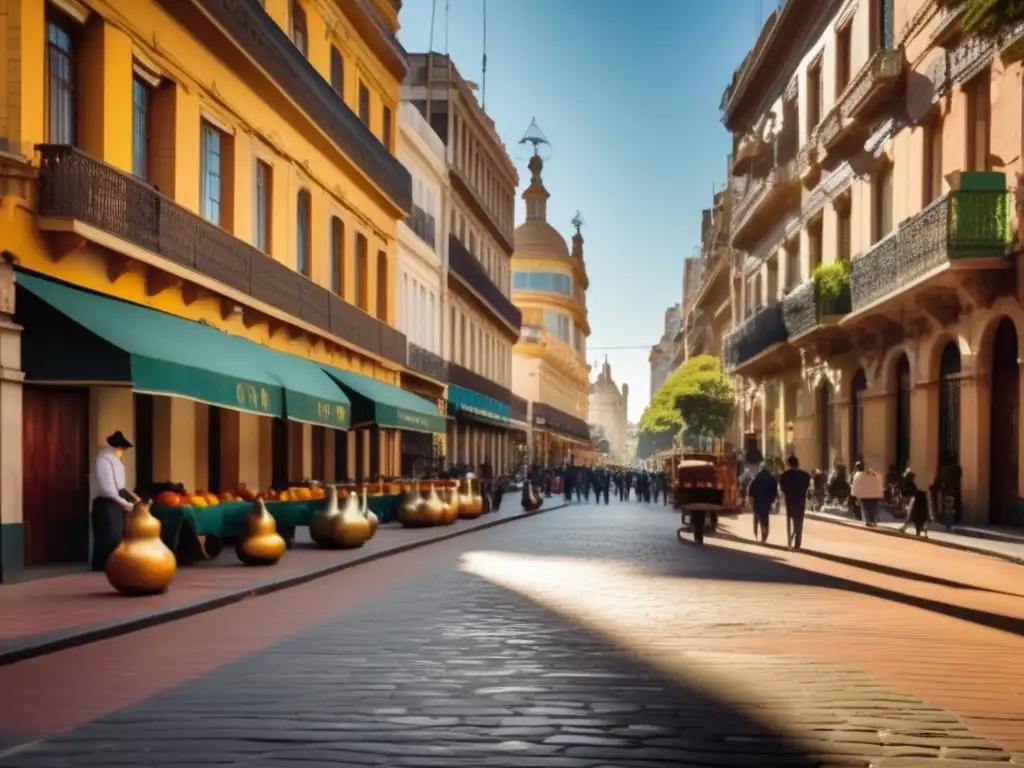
pixel 470 506
pixel 435 508
pixel 142 564
pixel 452 492
pixel 352 529
pixel 324 522
pixel 530 500
pixel 413 513
pixel 260 544
pixel 370 515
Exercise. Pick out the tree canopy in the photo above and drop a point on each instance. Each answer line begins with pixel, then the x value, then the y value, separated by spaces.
pixel 696 397
pixel 990 18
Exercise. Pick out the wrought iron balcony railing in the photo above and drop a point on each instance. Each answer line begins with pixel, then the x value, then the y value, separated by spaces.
pixel 424 225
pixel 426 362
pixel 961 225
pixel 77 186
pixel 766 328
pixel 805 308
pixel 464 264
pixel 869 87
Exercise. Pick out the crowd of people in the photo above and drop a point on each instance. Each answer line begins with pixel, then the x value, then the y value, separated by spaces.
pixel 579 482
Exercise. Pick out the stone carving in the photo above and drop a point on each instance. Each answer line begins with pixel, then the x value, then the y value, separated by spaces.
pixel 815 369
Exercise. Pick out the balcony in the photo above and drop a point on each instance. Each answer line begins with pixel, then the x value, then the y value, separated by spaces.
pixel 426 362
pixel 467 379
pixel 850 121
pixel 531 334
pixel 472 274
pixel 755 336
pixel 765 200
pixel 423 225
pixel 965 228
pixel 269 46
pixel 805 310
pixel 77 187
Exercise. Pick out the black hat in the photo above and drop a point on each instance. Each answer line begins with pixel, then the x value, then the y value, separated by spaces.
pixel 118 440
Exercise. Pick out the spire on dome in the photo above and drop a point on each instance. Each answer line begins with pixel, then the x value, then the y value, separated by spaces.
pixel 535 195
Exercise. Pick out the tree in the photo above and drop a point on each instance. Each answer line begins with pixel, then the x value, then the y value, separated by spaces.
pixel 696 397
pixel 991 18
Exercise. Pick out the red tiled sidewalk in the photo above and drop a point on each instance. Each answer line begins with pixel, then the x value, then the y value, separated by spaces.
pixel 51 614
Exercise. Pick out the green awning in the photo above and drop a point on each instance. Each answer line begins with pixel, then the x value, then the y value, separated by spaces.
pixel 388 406
pixel 94 339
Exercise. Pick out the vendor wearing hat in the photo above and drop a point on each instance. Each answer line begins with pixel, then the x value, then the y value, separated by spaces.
pixel 111 499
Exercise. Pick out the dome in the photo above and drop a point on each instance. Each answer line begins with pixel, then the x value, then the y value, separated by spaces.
pixel 541 238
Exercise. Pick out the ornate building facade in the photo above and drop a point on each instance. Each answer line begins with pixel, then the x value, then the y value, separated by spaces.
pixel 549 368
pixel 609 408
pixel 881 307
pixel 663 354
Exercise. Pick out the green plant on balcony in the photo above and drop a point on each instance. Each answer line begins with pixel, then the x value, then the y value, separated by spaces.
pixel 979 223
pixel 991 18
pixel 832 283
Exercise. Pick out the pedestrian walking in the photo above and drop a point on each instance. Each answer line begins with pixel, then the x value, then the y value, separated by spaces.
pixel 763 492
pixel 917 513
pixel 868 488
pixel 794 484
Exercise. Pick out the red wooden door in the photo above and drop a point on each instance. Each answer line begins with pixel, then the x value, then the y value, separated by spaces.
pixel 55 497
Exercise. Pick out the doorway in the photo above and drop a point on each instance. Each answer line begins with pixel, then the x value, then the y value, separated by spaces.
pixel 822 407
pixel 55 495
pixel 901 454
pixel 1005 414
pixel 949 406
pixel 857 387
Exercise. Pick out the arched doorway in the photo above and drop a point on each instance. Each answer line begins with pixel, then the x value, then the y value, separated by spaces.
pixel 901 454
pixel 857 387
pixel 949 406
pixel 1005 417
pixel 824 420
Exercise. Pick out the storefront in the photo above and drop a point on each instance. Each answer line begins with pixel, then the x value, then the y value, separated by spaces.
pixel 559 438
pixel 478 430
pixel 204 408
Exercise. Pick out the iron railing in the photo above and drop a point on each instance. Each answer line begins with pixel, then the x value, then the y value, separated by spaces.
pixel 75 185
pixel 464 264
pixel 882 71
pixel 763 330
pixel 804 307
pixel 961 225
pixel 424 225
pixel 426 362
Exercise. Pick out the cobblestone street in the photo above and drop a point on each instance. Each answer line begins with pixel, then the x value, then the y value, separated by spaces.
pixel 582 638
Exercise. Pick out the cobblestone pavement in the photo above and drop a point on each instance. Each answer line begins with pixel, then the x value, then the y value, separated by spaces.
pixel 586 638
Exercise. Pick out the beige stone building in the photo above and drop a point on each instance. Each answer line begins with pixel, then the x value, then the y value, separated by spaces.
pixel 608 413
pixel 873 135
pixel 663 354
pixel 549 363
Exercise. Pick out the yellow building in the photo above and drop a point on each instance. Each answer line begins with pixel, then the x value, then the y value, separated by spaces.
pixel 549 367
pixel 203 213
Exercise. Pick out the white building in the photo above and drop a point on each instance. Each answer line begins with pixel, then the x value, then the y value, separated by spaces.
pixel 608 409
pixel 421 242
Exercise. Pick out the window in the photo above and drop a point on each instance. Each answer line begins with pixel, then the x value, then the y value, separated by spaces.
pixel 558 325
pixel 303 245
pixel 549 282
pixel 361 267
pixel 337 72
pixel 140 128
pixel 263 217
pixel 382 286
pixel 843 58
pixel 882 201
pixel 300 33
pixel 338 256
pixel 793 276
pixel 385 128
pixel 815 95
pixel 932 159
pixel 843 233
pixel 978 109
pixel 884 32
pixel 364 104
pixel 61 77
pixel 814 242
pixel 211 147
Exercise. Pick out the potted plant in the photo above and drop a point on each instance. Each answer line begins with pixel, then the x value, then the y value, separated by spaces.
pixel 832 284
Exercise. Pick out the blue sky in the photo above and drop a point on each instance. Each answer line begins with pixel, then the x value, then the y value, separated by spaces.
pixel 627 92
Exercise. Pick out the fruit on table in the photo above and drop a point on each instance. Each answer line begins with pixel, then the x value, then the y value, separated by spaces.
pixel 284 496
pixel 302 494
pixel 317 492
pixel 167 499
pixel 197 500
pixel 227 496
pixel 212 499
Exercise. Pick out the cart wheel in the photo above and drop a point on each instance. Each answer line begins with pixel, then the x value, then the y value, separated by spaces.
pixel 680 536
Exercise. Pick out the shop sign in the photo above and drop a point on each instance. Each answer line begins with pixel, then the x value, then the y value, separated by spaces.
pixel 333 413
pixel 412 419
pixel 252 397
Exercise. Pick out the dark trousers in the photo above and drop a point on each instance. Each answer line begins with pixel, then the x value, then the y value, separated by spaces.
pixel 107 519
pixel 869 507
pixel 762 518
pixel 795 523
pixel 697 520
pixel 606 491
pixel 568 493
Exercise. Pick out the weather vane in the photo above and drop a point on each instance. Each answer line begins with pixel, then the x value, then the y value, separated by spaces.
pixel 535 136
pixel 578 222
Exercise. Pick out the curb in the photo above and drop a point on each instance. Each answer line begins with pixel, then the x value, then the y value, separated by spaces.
pixel 62 640
pixel 1018 560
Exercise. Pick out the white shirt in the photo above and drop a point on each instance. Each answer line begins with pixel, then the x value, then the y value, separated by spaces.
pixel 867 485
pixel 108 477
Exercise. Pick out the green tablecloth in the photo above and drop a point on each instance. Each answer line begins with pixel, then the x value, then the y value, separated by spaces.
pixel 225 520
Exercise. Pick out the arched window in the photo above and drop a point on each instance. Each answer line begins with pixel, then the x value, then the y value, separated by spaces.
pixel 303 245
pixel 949 406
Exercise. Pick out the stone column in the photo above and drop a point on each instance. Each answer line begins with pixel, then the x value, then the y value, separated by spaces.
pixel 174 435
pixel 924 430
pixel 12 526
pixel 877 409
pixel 975 445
